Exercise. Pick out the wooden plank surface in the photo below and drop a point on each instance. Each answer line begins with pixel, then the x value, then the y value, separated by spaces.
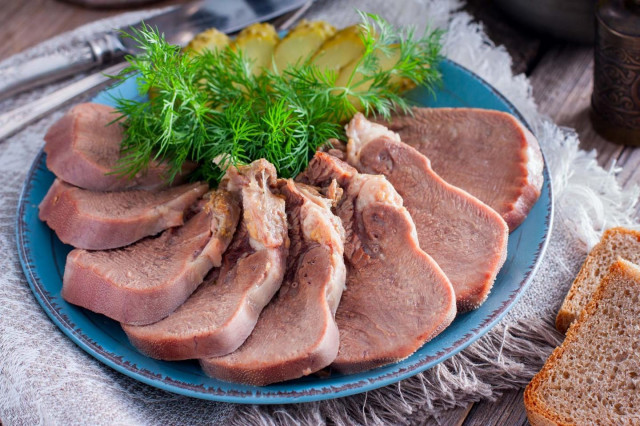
pixel 24 23
pixel 508 410
pixel 453 417
pixel 562 85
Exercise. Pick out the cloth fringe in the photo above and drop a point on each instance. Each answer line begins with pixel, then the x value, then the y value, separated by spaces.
pixel 506 358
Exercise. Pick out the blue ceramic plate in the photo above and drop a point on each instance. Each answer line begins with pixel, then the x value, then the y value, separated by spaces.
pixel 43 259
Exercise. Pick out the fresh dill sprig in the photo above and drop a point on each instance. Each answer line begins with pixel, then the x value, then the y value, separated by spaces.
pixel 212 110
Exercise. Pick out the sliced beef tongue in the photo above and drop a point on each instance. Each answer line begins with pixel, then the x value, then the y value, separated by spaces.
pixel 397 297
pixel 218 317
pixel 144 282
pixel 489 154
pixel 466 237
pixel 95 220
pixel 83 149
pixel 296 333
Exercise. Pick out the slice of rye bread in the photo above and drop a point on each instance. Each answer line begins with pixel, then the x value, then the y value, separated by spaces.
pixel 594 376
pixel 615 242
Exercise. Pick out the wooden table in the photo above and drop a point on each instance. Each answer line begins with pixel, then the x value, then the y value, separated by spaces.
pixel 561 76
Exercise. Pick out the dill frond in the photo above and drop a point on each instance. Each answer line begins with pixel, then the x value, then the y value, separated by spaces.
pixel 211 109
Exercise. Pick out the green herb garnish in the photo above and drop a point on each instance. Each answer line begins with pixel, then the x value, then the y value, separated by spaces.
pixel 210 109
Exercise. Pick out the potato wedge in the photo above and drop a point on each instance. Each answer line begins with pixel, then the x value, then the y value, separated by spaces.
pixel 211 39
pixel 385 63
pixel 341 49
pixel 301 43
pixel 257 41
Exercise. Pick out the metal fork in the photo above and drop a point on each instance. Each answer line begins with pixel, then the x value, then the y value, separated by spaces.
pixel 15 120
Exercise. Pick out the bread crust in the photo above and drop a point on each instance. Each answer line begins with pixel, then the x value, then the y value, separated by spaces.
pixel 537 411
pixel 570 309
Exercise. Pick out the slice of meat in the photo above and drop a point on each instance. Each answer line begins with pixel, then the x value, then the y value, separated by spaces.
pixel 466 237
pixel 397 297
pixel 144 282
pixel 296 333
pixel 489 154
pixel 218 317
pixel 94 220
pixel 83 149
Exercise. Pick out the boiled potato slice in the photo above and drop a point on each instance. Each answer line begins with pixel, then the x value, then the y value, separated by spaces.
pixel 257 41
pixel 211 39
pixel 385 63
pixel 341 49
pixel 302 42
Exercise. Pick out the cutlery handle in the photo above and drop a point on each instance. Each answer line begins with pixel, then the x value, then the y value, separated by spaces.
pixel 15 120
pixel 61 63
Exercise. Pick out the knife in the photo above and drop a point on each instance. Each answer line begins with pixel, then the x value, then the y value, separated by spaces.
pixel 178 25
pixel 17 119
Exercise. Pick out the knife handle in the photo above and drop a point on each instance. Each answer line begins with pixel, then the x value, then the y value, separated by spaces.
pixel 61 63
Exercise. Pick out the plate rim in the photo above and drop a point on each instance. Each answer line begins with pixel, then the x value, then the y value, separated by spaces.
pixel 166 383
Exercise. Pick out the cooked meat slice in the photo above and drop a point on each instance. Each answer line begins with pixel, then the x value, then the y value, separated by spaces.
pixel 397 297
pixel 218 317
pixel 83 149
pixel 489 154
pixel 466 237
pixel 94 220
pixel 296 333
pixel 144 282
pixel 336 148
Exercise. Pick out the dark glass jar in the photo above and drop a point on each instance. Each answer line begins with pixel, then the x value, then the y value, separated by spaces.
pixel 616 78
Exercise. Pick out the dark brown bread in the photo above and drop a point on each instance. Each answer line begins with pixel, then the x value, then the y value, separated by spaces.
pixel 615 242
